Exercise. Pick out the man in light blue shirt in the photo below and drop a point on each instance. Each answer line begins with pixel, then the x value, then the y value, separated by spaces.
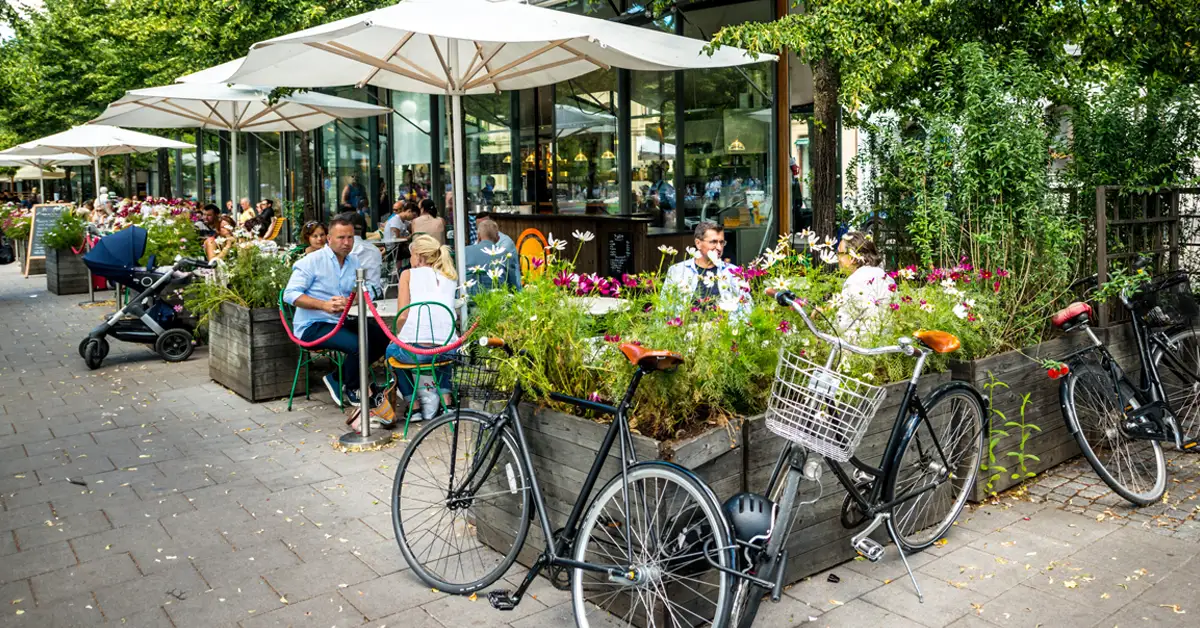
pixel 489 262
pixel 319 288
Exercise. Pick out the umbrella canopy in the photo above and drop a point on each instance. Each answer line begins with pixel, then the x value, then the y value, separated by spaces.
pixel 468 47
pixel 33 173
pixel 95 141
pixel 62 159
pixel 230 108
pixel 459 47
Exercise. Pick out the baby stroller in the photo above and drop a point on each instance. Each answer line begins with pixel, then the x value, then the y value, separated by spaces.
pixel 148 318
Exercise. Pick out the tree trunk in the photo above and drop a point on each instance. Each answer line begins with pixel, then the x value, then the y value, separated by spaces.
pixel 827 83
pixel 164 174
pixel 306 179
pixel 128 176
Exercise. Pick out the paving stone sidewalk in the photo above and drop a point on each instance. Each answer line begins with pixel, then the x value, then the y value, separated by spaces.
pixel 143 494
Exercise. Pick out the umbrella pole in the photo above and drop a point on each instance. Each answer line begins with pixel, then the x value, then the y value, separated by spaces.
pixel 96 182
pixel 237 208
pixel 460 201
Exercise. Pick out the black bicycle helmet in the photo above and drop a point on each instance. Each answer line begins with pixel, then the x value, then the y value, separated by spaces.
pixel 752 517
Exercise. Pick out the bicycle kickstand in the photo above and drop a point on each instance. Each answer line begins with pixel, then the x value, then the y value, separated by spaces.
pixel 873 551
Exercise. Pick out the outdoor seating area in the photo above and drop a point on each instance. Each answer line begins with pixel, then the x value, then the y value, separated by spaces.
pixel 705 314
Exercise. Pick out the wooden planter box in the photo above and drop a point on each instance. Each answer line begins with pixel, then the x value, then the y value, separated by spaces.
pixel 250 353
pixel 37 266
pixel 65 272
pixel 1054 444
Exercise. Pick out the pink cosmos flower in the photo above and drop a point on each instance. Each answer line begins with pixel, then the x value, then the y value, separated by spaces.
pixel 675 322
pixel 784 327
pixel 894 306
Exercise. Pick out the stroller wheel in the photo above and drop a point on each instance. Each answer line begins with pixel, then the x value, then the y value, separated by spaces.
pixel 94 351
pixel 175 345
pixel 82 347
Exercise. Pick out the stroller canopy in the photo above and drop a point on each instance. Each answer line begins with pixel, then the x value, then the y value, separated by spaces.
pixel 122 249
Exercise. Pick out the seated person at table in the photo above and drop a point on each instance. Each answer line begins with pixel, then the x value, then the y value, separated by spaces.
pixel 312 238
pixel 217 250
pixel 367 255
pixel 707 281
pixel 261 224
pixel 320 289
pixel 209 220
pixel 429 223
pixel 490 262
pixel 431 278
pixel 397 224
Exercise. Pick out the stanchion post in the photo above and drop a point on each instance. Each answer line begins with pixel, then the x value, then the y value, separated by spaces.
pixel 364 439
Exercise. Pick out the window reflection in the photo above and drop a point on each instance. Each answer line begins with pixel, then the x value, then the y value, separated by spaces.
pixel 585 132
pixel 652 139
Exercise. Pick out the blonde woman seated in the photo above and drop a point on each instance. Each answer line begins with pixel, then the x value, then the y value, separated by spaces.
pixel 213 249
pixel 431 279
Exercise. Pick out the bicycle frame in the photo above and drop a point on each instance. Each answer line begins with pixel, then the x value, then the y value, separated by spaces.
pixel 553 553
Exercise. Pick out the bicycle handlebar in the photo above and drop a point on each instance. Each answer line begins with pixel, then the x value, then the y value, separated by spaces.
pixel 787 299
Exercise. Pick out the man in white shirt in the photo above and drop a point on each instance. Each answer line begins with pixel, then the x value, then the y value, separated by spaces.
pixel 369 257
pixel 397 224
pixel 706 280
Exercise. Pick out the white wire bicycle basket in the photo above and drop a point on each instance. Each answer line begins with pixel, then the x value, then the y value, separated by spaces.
pixel 820 409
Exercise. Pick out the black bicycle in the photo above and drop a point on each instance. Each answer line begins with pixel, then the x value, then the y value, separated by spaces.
pixel 1120 425
pixel 927 471
pixel 465 488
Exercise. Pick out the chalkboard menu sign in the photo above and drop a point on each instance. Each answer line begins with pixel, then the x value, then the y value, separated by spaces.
pixel 620 254
pixel 44 218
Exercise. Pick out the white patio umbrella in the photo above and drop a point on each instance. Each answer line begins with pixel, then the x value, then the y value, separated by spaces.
pixel 233 108
pixel 30 165
pixel 458 47
pixel 94 141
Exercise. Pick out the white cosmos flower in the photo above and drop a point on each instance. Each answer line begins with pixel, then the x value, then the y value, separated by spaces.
pixel 714 257
pixel 556 245
pixel 729 304
pixel 829 243
pixel 948 283
pixel 770 257
pixel 470 284
pixel 693 251
pixel 475 269
pixel 808 236
pixel 960 310
pixel 828 256
pixel 667 250
pixel 495 273
pixel 780 284
pixel 494 250
pixel 970 303
pixel 906 273
pixel 954 292
pixel 854 255
pixel 927 307
pixel 837 300
pixel 584 236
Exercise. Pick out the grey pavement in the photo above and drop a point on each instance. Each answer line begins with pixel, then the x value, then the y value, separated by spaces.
pixel 143 494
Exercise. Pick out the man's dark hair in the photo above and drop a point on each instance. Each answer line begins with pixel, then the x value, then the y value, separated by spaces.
pixel 707 226
pixel 212 208
pixel 269 202
pixel 429 207
pixel 354 219
pixel 343 219
pixel 411 206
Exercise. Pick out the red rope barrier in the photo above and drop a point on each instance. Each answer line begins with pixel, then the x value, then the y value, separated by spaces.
pixel 336 328
pixel 418 350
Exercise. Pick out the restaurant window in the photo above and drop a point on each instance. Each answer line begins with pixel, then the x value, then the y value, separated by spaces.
pixel 538 162
pixel 652 145
pixel 210 168
pixel 410 145
pixel 488 144
pixel 585 114
pixel 184 162
pixel 346 161
pixel 270 168
pixel 728 155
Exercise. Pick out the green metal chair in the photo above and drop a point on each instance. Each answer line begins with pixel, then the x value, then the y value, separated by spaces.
pixel 424 311
pixel 307 356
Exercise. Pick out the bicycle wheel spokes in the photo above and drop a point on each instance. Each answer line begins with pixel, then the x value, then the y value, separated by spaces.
pixel 1183 389
pixel 442 527
pixel 939 472
pixel 657 531
pixel 1133 468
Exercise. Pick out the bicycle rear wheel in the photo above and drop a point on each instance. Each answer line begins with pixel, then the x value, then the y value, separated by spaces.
pixel 660 536
pixel 1095 404
pixel 438 523
pixel 949 463
pixel 1183 389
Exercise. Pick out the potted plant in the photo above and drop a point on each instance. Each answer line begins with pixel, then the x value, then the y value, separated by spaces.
pixel 65 271
pixel 249 350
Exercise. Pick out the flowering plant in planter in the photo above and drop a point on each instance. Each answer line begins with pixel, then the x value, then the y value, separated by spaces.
pixel 730 349
pixel 251 275
pixel 68 231
pixel 171 235
pixel 15 221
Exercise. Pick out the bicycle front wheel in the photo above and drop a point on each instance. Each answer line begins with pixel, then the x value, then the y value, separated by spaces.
pixel 656 528
pixel 1183 388
pixel 937 466
pixel 460 533
pixel 1095 405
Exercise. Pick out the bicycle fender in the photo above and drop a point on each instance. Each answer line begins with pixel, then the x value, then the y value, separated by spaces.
pixel 1072 424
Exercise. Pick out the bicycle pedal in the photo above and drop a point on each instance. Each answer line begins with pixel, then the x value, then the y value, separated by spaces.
pixel 502 600
pixel 869 548
pixel 1192 446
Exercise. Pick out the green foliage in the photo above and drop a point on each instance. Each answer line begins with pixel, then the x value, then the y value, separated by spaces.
pixel 169 236
pixel 252 274
pixel 68 231
pixel 995 435
pixel 967 173
pixel 1026 430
